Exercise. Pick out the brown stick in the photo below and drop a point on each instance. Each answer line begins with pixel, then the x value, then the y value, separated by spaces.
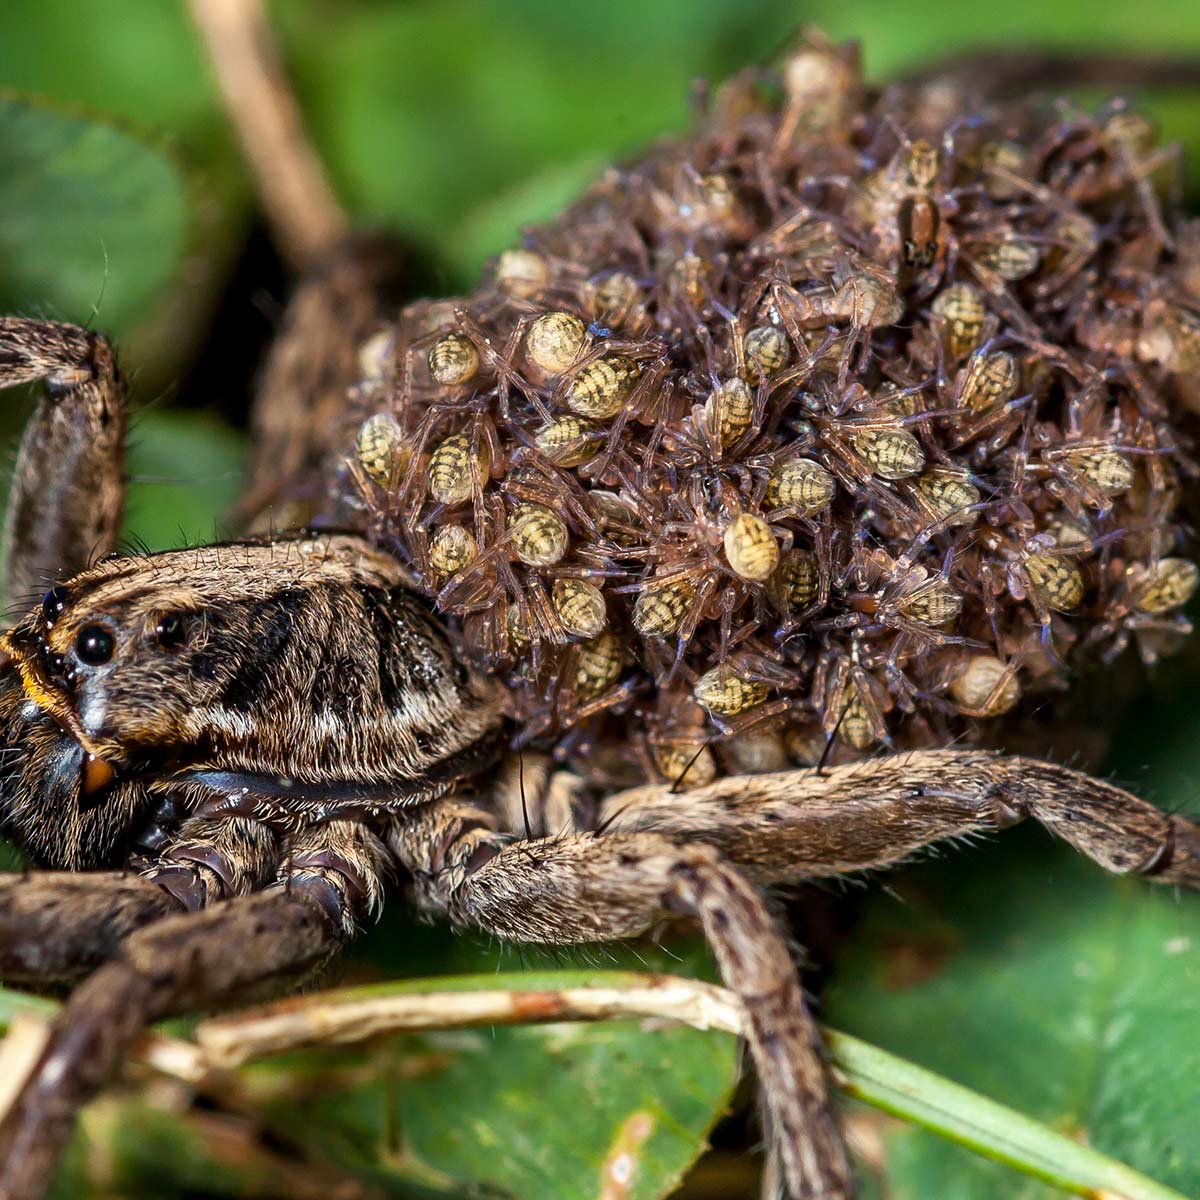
pixel 299 202
pixel 1003 71
pixel 340 1019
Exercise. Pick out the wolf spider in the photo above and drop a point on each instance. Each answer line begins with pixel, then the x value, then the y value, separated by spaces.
pixel 222 756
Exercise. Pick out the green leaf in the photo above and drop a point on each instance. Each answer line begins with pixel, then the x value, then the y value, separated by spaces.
pixel 14 1003
pixel 152 1147
pixel 969 1119
pixel 93 221
pixel 491 1109
pixel 493 225
pixel 520 1112
pixel 185 471
pixel 862 1071
pixel 1028 975
pixel 142 64
pixel 895 37
pixel 451 105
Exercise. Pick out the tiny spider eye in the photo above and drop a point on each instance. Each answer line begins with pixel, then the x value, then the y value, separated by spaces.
pixel 94 645
pixel 170 632
pixel 53 603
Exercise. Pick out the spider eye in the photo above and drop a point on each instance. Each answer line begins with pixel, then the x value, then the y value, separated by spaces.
pixel 53 603
pixel 94 645
pixel 170 632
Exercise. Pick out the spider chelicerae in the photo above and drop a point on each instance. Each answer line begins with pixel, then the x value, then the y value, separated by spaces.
pixel 922 435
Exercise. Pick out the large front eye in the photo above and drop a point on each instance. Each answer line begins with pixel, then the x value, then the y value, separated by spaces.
pixel 94 645
pixel 171 631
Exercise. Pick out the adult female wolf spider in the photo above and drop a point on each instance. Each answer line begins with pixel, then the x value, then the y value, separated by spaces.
pixel 265 731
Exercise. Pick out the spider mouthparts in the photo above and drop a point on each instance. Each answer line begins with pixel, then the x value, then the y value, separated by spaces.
pixel 97 774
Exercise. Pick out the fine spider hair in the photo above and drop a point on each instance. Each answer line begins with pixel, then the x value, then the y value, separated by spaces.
pixel 241 747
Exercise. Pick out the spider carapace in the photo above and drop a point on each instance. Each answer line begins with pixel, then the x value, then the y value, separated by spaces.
pixel 840 425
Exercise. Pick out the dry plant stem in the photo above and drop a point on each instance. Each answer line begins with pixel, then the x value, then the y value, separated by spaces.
pixel 303 210
pixel 1000 71
pixel 174 1058
pixel 19 1053
pixel 229 1042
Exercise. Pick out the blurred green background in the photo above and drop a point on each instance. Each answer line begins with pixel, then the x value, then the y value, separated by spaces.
pixel 1008 966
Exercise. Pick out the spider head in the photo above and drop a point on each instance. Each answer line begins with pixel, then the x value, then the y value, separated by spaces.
pixel 63 806
pixel 299 670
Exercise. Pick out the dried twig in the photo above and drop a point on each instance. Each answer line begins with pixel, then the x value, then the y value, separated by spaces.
pixel 306 216
pixel 1003 71
pixel 231 1041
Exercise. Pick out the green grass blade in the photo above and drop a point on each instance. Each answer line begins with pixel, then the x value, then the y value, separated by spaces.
pixel 960 1115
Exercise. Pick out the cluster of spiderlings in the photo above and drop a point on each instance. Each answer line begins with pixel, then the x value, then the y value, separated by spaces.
pixel 849 417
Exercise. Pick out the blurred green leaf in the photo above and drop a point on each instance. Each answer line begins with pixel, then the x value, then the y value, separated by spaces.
pixel 452 105
pixel 1046 986
pixel 12 1003
pixel 490 227
pixel 139 61
pixel 881 1079
pixel 94 220
pixel 139 64
pixel 132 1145
pixel 185 471
pixel 896 37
